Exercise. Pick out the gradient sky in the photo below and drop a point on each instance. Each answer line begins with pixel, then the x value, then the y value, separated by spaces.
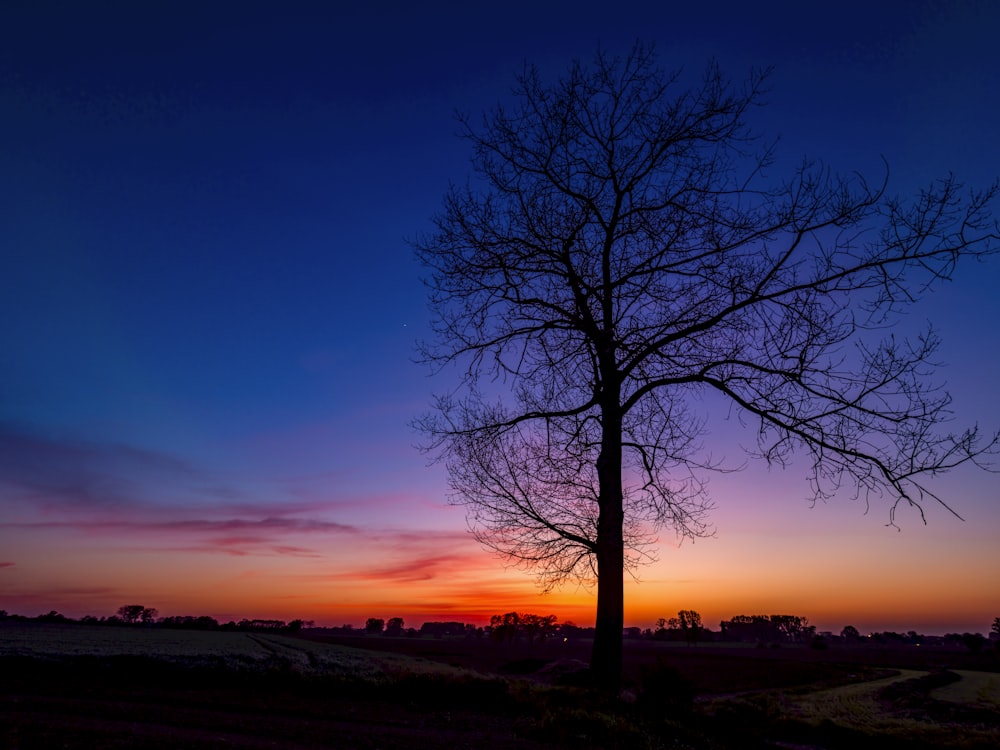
pixel 208 305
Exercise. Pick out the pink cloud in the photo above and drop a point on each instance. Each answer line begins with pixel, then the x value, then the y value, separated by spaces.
pixel 270 523
pixel 154 530
pixel 6 565
pixel 99 525
pixel 243 547
pixel 412 570
pixel 292 551
pixel 235 546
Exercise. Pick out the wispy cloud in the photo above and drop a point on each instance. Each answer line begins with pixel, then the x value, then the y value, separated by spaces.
pixel 53 473
pixel 6 565
pixel 410 570
pixel 401 557
pixel 237 547
pixel 239 537
pixel 110 525
pixel 271 523
pixel 136 497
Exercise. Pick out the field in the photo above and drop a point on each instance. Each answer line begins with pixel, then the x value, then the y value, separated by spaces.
pixel 241 651
pixel 73 686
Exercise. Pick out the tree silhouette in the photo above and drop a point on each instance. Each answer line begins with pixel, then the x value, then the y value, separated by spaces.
pixel 624 254
pixel 133 613
pixel 850 634
pixel 690 624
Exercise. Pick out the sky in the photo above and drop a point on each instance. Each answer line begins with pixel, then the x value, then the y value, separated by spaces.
pixel 209 304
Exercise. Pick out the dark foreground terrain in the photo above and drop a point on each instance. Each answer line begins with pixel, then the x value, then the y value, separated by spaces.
pixel 78 687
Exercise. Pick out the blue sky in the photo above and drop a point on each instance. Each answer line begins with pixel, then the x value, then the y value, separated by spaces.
pixel 208 303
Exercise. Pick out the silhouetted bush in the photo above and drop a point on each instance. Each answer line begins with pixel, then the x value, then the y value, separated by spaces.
pixel 522 666
pixel 748 719
pixel 52 616
pixel 449 691
pixel 973 641
pixel 664 691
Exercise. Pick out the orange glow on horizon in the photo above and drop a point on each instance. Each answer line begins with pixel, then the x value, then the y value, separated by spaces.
pixel 274 594
pixel 788 562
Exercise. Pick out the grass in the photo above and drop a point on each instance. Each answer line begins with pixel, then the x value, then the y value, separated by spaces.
pixel 904 711
pixel 855 708
pixel 975 688
pixel 855 705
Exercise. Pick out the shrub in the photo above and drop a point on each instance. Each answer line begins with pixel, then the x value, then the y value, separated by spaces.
pixel 664 691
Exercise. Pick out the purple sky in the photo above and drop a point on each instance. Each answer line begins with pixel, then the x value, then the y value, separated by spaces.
pixel 208 304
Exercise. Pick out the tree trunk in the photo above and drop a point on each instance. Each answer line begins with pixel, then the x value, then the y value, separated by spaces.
pixel 606 656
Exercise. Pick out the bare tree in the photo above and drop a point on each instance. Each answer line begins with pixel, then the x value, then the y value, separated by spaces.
pixel 621 254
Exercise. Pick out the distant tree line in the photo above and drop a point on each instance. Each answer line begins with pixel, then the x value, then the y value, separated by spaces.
pixel 511 627
pixel 449 629
pixel 687 627
pixel 394 627
pixel 767 628
pixel 514 625
pixel 792 629
pixel 139 615
pixel 507 627
pixel 133 613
